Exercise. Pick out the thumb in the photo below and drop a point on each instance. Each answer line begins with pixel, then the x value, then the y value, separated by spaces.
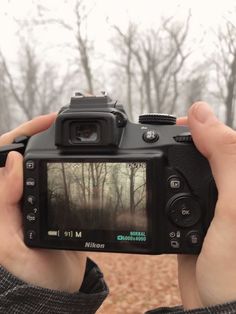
pixel 11 179
pixel 217 142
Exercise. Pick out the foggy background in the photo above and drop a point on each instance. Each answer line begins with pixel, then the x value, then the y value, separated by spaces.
pixel 154 56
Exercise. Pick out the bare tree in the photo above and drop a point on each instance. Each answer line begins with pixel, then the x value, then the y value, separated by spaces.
pixel 5 111
pixel 195 86
pixel 159 56
pixel 125 46
pixel 34 86
pixel 82 46
pixel 225 66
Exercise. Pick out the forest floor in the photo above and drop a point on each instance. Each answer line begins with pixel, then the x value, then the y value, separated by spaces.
pixel 138 283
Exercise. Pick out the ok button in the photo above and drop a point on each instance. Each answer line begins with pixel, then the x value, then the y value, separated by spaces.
pixel 184 210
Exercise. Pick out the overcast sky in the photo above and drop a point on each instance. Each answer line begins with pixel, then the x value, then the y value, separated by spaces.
pixel 206 14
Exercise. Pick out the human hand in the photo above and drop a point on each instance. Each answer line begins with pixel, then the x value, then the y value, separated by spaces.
pixel 57 270
pixel 210 278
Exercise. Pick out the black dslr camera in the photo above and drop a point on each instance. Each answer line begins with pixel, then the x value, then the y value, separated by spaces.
pixel 96 182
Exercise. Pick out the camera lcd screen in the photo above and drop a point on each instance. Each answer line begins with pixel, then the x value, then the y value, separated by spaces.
pixel 104 197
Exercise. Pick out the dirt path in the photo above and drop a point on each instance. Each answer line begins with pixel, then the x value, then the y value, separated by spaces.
pixel 138 282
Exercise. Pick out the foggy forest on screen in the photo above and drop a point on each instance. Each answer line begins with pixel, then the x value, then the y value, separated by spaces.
pixel 109 196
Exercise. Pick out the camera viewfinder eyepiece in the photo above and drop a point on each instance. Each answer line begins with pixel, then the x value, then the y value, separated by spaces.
pixel 90 124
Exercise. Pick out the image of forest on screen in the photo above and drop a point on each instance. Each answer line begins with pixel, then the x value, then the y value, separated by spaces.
pixel 102 196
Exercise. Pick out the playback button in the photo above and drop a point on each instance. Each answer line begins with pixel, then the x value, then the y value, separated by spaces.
pixel 30 165
pixel 175 183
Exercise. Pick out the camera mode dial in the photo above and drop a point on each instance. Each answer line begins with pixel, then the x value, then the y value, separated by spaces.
pixel 157 119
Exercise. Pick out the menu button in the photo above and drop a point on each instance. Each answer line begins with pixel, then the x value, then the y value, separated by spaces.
pixel 30 182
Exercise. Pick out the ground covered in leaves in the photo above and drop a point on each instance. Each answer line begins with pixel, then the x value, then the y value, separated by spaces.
pixel 138 282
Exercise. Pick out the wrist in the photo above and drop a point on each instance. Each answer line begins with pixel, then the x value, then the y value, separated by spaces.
pixel 50 269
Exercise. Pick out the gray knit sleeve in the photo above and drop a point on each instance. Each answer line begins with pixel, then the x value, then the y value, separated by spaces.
pixel 17 296
pixel 226 308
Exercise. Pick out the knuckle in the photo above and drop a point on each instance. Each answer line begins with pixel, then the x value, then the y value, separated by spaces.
pixel 228 140
pixel 5 139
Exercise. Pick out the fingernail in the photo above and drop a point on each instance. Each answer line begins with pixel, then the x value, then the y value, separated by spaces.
pixel 202 112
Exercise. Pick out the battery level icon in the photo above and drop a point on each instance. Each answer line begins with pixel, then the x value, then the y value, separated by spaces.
pixel 53 233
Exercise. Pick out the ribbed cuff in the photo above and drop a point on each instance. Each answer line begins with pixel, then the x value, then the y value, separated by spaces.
pixel 226 308
pixel 17 296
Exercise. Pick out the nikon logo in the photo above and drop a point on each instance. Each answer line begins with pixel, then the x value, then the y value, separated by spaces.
pixel 94 245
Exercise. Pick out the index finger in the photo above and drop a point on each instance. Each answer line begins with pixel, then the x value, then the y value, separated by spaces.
pixel 29 128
